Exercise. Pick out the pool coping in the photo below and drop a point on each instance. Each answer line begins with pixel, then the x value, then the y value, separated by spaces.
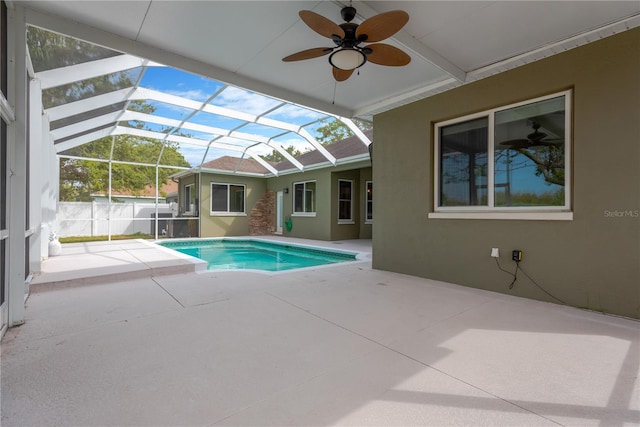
pixel 97 263
pixel 201 265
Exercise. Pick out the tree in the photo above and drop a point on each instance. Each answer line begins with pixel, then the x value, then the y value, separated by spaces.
pixel 549 163
pixel 334 130
pixel 79 179
pixel 276 157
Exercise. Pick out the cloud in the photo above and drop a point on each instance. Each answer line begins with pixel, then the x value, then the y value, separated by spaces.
pixel 193 94
pixel 291 111
pixel 242 100
pixel 192 153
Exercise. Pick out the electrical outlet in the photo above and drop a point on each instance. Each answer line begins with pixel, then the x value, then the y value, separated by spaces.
pixel 495 252
pixel 516 255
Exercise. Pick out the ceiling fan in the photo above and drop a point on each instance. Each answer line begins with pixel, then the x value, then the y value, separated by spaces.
pixel 534 139
pixel 348 53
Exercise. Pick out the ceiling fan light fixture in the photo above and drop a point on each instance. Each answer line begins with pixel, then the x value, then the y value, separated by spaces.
pixel 348 53
pixel 347 59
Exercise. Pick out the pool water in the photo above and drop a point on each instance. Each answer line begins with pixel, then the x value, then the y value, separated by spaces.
pixel 231 254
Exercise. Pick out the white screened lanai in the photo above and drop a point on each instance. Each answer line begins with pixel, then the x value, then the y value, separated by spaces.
pixel 134 116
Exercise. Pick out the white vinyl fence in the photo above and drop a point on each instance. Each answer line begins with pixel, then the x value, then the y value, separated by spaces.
pixel 97 219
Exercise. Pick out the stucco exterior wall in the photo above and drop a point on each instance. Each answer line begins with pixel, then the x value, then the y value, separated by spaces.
pixel 592 261
pixel 357 229
pixel 366 227
pixel 308 227
pixel 324 225
pixel 215 225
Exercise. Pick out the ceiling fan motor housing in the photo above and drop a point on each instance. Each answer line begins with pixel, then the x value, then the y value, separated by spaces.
pixel 349 39
pixel 348 13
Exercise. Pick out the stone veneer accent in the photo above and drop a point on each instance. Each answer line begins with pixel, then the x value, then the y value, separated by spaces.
pixel 262 218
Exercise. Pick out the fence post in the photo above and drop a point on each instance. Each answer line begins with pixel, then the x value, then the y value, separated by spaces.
pixel 93 218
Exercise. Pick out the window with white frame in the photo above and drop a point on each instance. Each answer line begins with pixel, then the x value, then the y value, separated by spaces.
pixel 345 201
pixel 369 202
pixel 509 159
pixel 304 198
pixel 189 199
pixel 227 198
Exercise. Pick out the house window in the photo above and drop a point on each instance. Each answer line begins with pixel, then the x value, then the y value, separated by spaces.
pixel 304 198
pixel 189 199
pixel 345 197
pixel 369 202
pixel 509 162
pixel 227 199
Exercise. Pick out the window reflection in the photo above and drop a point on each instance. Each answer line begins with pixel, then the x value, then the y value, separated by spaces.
pixel 463 163
pixel 529 154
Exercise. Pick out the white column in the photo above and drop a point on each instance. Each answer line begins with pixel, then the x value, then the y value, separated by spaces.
pixel 38 177
pixel 48 187
pixel 17 157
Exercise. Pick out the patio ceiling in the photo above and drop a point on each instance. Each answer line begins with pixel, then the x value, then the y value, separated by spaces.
pixel 239 44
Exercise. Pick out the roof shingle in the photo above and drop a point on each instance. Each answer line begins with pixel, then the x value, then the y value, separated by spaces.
pixel 343 149
pixel 230 163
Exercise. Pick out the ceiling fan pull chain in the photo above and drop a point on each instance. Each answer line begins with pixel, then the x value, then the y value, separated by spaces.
pixel 335 85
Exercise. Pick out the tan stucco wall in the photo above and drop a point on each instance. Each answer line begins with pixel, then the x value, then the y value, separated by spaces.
pixel 218 226
pixel 345 231
pixel 324 225
pixel 183 182
pixel 307 227
pixel 592 261
pixel 357 230
pixel 366 229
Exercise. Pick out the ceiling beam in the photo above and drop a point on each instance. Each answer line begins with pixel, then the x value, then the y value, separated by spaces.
pixel 411 43
pixel 407 97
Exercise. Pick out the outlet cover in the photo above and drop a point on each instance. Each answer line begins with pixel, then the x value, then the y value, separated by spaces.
pixel 495 252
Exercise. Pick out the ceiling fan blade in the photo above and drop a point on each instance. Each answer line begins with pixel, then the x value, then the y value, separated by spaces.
pixel 320 24
pixel 341 75
pixel 308 54
pixel 381 26
pixel 384 54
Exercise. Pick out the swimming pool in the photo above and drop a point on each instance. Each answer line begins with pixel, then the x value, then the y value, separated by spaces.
pixel 250 254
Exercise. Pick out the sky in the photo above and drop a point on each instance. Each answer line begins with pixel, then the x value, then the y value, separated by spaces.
pixel 201 89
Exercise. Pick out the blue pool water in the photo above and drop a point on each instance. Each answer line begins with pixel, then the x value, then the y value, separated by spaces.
pixel 232 254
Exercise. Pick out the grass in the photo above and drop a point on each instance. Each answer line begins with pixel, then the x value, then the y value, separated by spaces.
pixel 82 239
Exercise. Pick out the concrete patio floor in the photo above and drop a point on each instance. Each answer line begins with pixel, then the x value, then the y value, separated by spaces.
pixel 336 345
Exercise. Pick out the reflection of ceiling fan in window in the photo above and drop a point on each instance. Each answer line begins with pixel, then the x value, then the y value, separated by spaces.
pixel 349 53
pixel 534 139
